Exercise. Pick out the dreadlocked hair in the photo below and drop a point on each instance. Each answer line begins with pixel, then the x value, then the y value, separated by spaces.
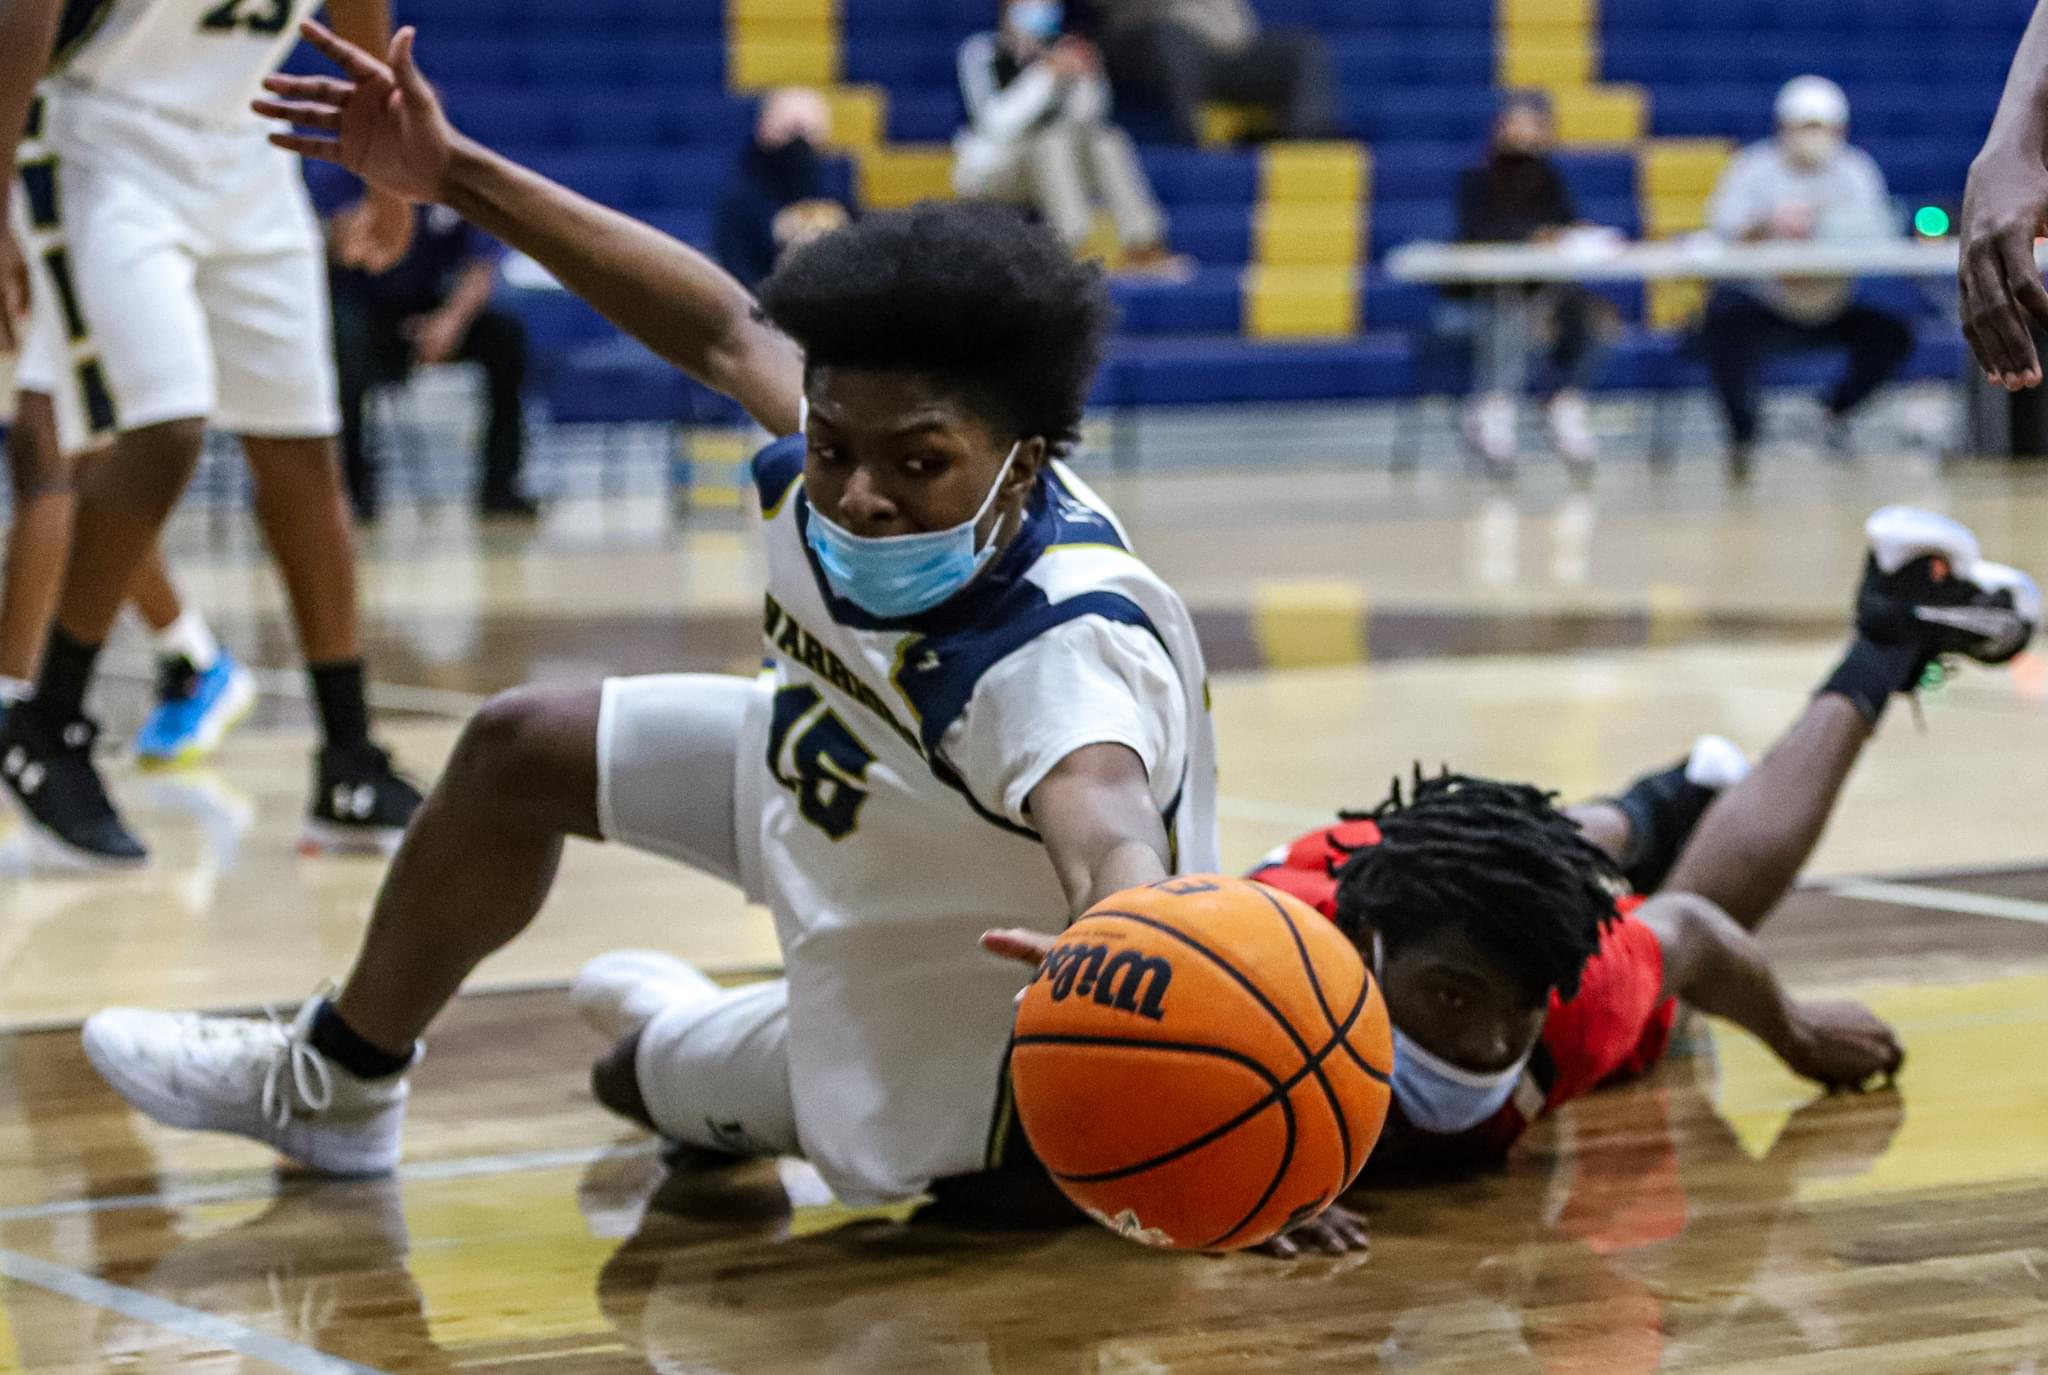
pixel 1497 862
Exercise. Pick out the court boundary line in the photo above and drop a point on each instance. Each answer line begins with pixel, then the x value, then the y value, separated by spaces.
pixel 208 1328
pixel 1957 900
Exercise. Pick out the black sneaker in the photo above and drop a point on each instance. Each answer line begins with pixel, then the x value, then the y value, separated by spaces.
pixel 1664 807
pixel 49 775
pixel 1924 584
pixel 360 804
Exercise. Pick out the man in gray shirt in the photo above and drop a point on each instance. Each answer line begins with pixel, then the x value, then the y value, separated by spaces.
pixel 1806 183
pixel 1176 54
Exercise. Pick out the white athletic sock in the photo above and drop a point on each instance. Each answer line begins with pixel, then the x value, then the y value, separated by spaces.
pixel 14 690
pixel 190 639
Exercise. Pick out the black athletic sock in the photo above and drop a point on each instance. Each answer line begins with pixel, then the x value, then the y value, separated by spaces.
pixel 338 693
pixel 341 1043
pixel 1870 674
pixel 1662 810
pixel 66 674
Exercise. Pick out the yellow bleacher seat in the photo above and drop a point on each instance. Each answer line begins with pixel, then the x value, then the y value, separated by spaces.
pixel 903 174
pixel 1300 302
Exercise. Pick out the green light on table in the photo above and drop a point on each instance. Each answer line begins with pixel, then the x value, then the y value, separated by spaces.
pixel 1931 221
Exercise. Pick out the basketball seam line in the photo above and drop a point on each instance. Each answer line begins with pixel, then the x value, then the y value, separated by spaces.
pixel 1329 1018
pixel 1311 1060
pixel 1275 1089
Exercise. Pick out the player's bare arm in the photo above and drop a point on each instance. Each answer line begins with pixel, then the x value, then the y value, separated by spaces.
pixel 27 28
pixel 385 124
pixel 376 234
pixel 1711 962
pixel 2003 209
pixel 1101 827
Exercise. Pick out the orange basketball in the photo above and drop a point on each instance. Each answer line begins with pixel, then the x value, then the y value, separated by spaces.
pixel 1202 1063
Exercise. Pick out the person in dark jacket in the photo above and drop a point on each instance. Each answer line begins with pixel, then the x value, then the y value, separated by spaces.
pixel 1517 195
pixel 778 197
pixel 433 307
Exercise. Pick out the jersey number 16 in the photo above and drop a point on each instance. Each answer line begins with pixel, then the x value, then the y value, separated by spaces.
pixel 814 755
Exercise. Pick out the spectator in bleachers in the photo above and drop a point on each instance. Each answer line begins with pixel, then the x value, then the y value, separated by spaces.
pixel 1039 133
pixel 1178 54
pixel 1809 182
pixel 778 198
pixel 1518 195
pixel 434 307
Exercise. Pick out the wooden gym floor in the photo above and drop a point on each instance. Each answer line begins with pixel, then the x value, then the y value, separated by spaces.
pixel 1716 1217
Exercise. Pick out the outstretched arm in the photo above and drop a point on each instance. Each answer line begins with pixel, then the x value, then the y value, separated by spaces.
pixel 385 124
pixel 1713 963
pixel 2003 207
pixel 1101 827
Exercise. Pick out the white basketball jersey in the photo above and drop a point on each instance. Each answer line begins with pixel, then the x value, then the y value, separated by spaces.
pixel 881 863
pixel 198 62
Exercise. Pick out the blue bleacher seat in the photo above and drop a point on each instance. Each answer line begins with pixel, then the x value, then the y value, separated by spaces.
pixel 1184 176
pixel 926 116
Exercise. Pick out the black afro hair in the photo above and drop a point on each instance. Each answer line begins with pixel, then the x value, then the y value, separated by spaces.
pixel 973 295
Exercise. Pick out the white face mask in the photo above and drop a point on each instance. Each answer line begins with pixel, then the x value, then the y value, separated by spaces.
pixel 1811 145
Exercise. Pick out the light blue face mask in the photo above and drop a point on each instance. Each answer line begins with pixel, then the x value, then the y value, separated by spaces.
pixel 901 575
pixel 1040 19
pixel 1438 1096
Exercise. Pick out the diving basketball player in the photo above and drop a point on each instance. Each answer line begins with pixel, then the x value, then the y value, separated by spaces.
pixel 187 282
pixel 1515 980
pixel 980 706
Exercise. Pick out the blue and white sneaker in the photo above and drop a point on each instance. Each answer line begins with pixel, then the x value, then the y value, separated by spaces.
pixel 194 710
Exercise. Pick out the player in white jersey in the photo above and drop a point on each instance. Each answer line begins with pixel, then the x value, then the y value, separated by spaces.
pixel 981 708
pixel 189 281
pixel 202 690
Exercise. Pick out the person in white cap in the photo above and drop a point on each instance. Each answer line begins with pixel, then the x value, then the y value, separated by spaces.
pixel 1807 182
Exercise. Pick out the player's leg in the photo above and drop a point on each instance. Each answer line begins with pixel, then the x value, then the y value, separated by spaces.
pixel 39 542
pixel 1925 593
pixel 709 1069
pixel 202 691
pixel 1644 826
pixel 663 764
pixel 138 350
pixel 268 323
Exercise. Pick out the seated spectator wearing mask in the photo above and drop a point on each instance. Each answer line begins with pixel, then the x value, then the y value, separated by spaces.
pixel 1807 183
pixel 1517 195
pixel 1178 54
pixel 777 198
pixel 1039 133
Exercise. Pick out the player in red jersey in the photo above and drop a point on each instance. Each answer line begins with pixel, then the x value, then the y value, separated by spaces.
pixel 1517 980
pixel 1518 971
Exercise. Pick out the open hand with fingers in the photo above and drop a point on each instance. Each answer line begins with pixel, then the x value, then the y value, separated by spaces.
pixel 2002 297
pixel 1335 1231
pixel 382 121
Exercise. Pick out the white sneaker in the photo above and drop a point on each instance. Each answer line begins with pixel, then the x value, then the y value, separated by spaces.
pixel 250 1077
pixel 1571 430
pixel 1490 428
pixel 621 991
pixel 1716 763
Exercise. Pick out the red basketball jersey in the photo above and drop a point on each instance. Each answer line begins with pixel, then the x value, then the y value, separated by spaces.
pixel 1615 1028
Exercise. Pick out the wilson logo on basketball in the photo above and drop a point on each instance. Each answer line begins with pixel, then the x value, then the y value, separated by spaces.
pixel 1129 981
